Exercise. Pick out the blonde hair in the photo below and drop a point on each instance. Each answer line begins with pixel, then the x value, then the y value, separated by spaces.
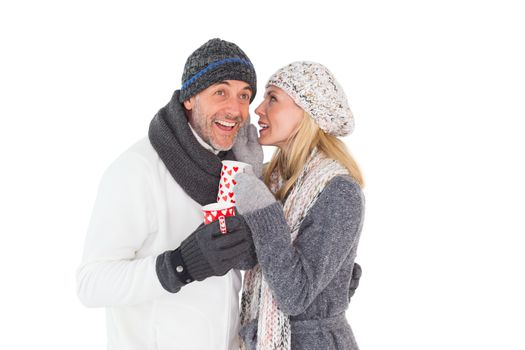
pixel 290 160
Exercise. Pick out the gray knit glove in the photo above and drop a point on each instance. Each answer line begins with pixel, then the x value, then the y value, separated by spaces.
pixel 207 252
pixel 247 148
pixel 251 193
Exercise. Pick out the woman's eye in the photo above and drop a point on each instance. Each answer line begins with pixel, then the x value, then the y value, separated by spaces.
pixel 273 99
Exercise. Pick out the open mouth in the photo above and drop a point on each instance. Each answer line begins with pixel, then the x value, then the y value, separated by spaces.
pixel 225 125
pixel 263 127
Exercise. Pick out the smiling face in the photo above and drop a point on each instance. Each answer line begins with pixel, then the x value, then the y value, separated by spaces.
pixel 217 112
pixel 279 117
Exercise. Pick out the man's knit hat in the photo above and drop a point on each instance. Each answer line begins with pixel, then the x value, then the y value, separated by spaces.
pixel 314 88
pixel 215 61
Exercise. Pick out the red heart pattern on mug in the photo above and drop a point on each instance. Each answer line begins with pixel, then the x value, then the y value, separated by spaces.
pixel 228 171
pixel 215 211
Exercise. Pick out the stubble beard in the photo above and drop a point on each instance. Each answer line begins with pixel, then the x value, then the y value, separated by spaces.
pixel 203 129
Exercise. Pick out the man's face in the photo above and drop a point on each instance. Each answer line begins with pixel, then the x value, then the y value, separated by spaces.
pixel 217 113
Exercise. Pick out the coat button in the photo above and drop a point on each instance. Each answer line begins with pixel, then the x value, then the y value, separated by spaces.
pixel 179 269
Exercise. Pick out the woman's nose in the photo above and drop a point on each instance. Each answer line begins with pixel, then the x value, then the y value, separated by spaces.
pixel 260 109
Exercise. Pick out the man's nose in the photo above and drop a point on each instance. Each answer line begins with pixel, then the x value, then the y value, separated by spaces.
pixel 234 107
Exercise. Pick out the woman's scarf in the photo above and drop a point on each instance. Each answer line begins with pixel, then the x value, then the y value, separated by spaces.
pixel 258 303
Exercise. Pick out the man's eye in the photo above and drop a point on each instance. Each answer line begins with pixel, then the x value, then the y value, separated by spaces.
pixel 245 96
pixel 219 92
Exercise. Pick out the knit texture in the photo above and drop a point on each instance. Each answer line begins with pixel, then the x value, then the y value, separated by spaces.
pixel 251 193
pixel 215 61
pixel 196 169
pixel 314 88
pixel 194 258
pixel 258 302
pixel 310 278
pixel 207 252
pixel 247 148
pixel 165 269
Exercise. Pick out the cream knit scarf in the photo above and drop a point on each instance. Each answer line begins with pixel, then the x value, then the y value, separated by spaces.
pixel 273 328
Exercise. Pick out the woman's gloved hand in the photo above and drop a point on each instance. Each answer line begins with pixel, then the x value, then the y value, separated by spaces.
pixel 251 193
pixel 247 148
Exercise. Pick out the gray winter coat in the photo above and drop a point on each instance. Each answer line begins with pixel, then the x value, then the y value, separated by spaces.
pixel 310 278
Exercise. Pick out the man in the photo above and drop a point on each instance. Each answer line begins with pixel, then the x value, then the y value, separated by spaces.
pixel 146 258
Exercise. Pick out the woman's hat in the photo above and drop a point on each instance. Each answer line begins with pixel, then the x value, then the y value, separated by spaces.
pixel 314 88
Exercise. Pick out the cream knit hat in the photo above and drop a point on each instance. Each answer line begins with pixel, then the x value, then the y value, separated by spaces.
pixel 314 88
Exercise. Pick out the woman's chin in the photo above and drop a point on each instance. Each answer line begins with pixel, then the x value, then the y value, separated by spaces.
pixel 262 141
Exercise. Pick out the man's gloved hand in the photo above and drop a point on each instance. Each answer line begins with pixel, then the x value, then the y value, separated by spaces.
pixel 247 148
pixel 251 193
pixel 207 252
pixel 354 282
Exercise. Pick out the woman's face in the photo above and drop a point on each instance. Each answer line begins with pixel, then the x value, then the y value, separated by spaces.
pixel 279 116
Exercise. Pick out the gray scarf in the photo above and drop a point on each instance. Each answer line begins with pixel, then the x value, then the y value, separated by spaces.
pixel 194 168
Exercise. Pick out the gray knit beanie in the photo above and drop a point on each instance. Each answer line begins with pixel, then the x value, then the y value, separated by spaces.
pixel 314 88
pixel 215 61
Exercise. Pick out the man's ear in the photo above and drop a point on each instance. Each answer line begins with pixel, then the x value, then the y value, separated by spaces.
pixel 188 104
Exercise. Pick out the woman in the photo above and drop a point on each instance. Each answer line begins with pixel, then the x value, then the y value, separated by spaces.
pixel 306 228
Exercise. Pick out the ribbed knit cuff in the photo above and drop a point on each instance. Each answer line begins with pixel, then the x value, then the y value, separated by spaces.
pixel 195 261
pixel 268 222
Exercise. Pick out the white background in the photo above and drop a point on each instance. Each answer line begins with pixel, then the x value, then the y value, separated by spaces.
pixel 437 89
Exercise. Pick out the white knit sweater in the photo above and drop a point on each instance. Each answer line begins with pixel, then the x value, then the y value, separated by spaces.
pixel 139 213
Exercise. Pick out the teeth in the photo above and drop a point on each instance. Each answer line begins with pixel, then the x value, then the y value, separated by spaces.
pixel 263 126
pixel 225 123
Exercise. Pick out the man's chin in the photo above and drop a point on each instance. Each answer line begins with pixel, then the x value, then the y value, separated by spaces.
pixel 223 143
pixel 222 146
